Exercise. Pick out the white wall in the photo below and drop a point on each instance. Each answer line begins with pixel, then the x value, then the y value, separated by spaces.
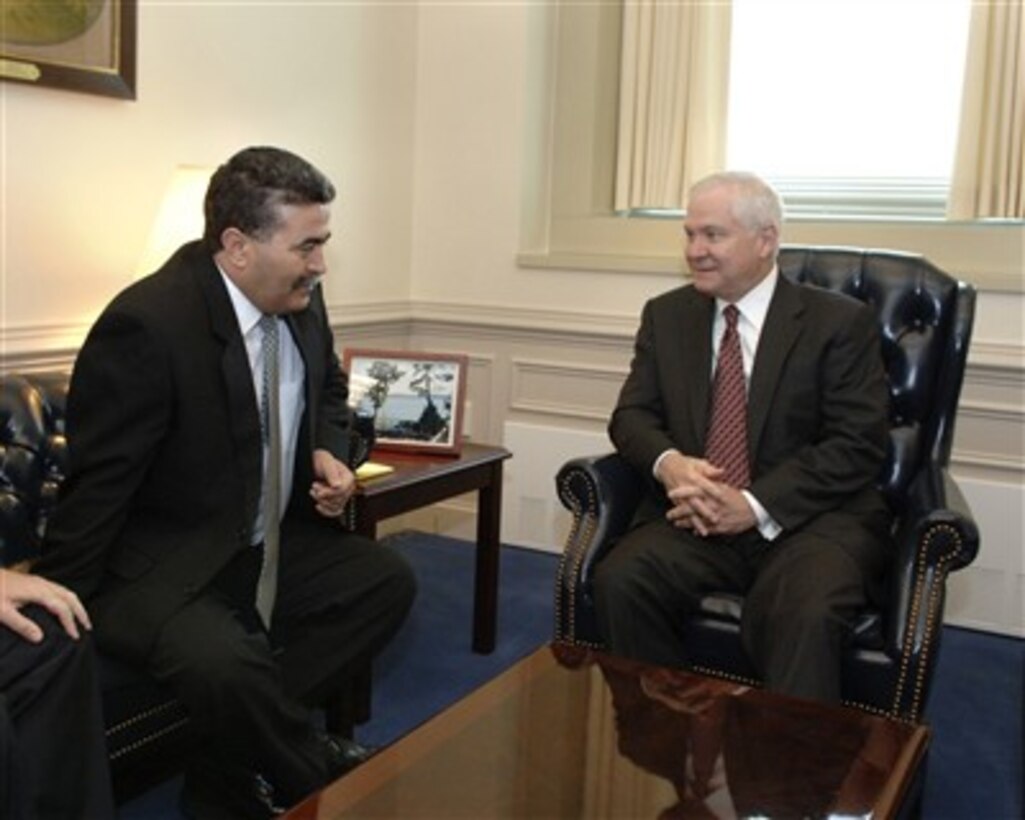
pixel 478 101
pixel 82 175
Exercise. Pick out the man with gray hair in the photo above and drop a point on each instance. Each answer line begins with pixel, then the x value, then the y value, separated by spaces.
pixel 758 407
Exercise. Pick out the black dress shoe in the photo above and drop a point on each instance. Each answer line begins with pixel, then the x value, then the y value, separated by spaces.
pixel 343 755
pixel 249 797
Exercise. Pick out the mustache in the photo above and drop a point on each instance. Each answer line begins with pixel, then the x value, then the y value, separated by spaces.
pixel 307 283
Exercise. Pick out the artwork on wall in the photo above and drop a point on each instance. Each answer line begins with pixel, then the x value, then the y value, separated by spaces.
pixel 415 398
pixel 78 45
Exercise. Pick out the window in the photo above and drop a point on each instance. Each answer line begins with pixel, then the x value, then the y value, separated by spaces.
pixel 569 218
pixel 849 108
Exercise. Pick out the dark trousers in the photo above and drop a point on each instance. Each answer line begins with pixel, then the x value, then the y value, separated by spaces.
pixel 340 598
pixel 801 594
pixel 53 762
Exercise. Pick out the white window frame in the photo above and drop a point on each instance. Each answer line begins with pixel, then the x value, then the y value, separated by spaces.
pixel 569 222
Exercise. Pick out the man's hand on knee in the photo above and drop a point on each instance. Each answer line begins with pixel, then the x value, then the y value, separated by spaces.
pixel 19 589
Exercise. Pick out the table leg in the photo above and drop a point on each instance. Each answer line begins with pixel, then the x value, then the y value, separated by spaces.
pixel 365 525
pixel 485 597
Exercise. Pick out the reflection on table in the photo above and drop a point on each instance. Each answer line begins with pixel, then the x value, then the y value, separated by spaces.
pixel 568 732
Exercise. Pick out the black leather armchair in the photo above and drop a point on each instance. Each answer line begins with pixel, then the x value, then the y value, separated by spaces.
pixel 148 733
pixel 925 318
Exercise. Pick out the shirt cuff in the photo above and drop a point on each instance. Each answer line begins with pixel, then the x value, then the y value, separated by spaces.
pixel 659 460
pixel 768 528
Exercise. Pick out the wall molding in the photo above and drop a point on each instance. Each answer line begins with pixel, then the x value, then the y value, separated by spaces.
pixel 987 359
pixel 997 363
pixel 991 411
pixel 40 347
pixel 511 319
pixel 566 373
pixel 988 462
pixel 359 314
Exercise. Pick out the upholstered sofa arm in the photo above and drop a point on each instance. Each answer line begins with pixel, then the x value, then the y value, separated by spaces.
pixel 936 534
pixel 602 493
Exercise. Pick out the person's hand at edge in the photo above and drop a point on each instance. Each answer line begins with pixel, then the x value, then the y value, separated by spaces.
pixel 19 589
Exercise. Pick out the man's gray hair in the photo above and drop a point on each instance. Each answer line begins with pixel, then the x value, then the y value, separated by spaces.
pixel 758 206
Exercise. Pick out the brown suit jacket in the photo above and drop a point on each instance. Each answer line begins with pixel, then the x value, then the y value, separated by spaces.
pixel 817 407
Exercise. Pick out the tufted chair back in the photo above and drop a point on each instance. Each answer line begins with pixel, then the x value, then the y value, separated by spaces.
pixel 33 459
pixel 925 317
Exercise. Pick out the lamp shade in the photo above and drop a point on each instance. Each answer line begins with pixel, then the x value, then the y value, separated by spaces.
pixel 180 218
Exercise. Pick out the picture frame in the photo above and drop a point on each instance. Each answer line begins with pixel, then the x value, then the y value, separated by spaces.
pixel 87 46
pixel 416 399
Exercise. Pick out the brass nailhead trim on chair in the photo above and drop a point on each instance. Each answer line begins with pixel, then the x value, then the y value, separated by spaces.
pixel 127 724
pixel 581 532
pixel 718 673
pixel 131 747
pixel 916 603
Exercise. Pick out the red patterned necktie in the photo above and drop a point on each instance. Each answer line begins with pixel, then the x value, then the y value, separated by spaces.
pixel 726 442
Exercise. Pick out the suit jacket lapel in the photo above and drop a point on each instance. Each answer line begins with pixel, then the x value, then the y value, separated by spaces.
pixel 306 338
pixel 238 383
pixel 695 345
pixel 783 324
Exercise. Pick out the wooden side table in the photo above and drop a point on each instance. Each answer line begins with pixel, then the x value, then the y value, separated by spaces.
pixel 420 480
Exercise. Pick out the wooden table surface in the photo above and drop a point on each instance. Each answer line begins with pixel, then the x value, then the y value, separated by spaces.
pixel 569 732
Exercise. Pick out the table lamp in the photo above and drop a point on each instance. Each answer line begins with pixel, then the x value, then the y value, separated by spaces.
pixel 180 217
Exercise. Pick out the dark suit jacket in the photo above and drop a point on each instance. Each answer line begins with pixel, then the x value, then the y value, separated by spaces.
pixel 164 448
pixel 817 407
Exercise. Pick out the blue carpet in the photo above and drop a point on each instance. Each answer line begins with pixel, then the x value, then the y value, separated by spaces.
pixel 976 769
pixel 430 665
pixel 975 763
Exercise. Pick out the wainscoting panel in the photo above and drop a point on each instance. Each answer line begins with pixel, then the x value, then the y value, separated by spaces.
pixel 532 515
pixel 990 593
pixel 563 388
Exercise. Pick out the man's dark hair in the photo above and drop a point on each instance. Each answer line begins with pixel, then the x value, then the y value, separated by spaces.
pixel 245 192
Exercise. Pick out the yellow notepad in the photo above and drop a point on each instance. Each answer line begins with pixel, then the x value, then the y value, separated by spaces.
pixel 372 469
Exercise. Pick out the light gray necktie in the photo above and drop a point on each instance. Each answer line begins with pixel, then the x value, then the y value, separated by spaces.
pixel 270 423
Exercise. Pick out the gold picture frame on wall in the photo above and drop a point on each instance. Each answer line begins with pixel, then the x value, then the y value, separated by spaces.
pixel 77 45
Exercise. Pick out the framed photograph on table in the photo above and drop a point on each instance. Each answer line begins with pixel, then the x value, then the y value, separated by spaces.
pixel 414 398
pixel 78 45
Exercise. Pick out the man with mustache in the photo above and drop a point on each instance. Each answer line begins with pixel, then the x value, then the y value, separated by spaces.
pixel 201 526
pixel 757 409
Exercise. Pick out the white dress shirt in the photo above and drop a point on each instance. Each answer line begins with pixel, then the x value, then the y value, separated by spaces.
pixel 292 377
pixel 752 307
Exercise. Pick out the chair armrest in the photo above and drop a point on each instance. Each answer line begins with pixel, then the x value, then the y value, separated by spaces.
pixel 940 513
pixel 602 493
pixel 936 534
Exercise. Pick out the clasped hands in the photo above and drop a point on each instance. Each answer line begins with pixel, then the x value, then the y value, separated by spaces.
pixel 701 501
pixel 333 484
